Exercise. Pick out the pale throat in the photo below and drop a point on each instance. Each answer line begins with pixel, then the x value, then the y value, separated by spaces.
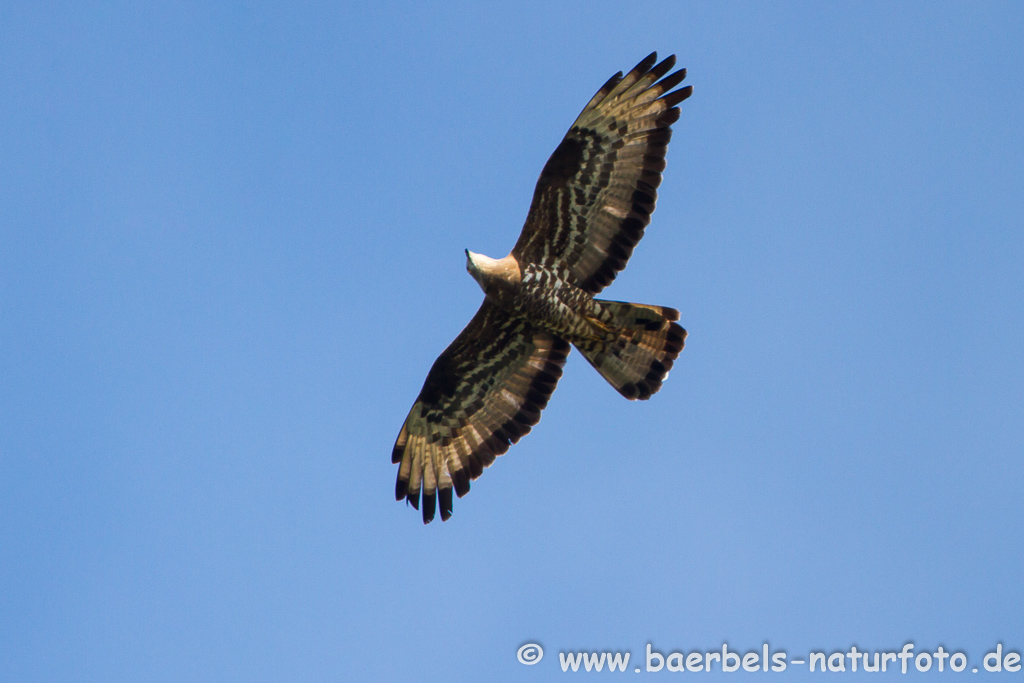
pixel 490 273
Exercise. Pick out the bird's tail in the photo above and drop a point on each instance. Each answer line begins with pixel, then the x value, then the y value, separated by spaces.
pixel 646 342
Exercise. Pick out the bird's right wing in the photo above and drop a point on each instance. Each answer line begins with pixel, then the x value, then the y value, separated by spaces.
pixel 482 394
pixel 597 191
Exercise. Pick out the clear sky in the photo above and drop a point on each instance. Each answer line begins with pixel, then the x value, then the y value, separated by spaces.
pixel 231 246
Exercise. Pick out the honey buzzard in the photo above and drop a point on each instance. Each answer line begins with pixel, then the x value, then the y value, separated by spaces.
pixel 592 202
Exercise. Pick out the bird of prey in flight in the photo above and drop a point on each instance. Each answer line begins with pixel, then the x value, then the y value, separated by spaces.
pixel 590 207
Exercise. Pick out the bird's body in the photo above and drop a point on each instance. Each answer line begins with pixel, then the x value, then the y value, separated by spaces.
pixel 592 202
pixel 539 295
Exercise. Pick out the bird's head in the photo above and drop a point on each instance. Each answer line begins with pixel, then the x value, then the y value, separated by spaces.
pixel 489 272
pixel 477 265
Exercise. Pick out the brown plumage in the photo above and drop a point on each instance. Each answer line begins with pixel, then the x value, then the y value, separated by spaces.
pixel 592 202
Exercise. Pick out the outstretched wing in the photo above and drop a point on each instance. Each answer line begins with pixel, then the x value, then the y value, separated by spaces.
pixel 482 394
pixel 596 193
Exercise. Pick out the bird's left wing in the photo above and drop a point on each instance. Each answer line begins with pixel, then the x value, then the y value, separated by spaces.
pixel 482 394
pixel 597 191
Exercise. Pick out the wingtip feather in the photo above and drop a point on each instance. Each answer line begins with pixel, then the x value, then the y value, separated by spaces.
pixel 445 496
pixel 429 506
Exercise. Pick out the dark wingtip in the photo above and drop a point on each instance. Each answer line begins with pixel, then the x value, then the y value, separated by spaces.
pixel 429 505
pixel 610 84
pixel 401 489
pixel 672 80
pixel 446 503
pixel 460 478
pixel 647 62
pixel 676 96
pixel 663 68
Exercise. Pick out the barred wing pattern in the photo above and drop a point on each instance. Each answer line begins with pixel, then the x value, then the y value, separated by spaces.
pixel 597 191
pixel 482 394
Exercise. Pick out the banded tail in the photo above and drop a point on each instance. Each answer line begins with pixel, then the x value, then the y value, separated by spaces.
pixel 637 361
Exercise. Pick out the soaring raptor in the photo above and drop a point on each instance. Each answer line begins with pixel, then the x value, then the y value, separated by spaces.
pixel 592 202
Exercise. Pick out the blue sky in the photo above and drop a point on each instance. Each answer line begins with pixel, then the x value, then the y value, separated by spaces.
pixel 231 246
